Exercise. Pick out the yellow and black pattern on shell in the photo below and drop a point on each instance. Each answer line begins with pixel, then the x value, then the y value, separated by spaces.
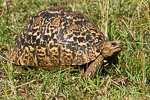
pixel 58 36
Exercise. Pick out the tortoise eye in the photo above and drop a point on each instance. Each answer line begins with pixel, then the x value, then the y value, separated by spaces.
pixel 113 44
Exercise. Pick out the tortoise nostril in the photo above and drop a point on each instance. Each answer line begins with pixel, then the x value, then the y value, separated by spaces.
pixel 121 43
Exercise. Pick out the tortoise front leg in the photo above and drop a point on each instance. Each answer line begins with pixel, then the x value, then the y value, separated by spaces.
pixel 94 66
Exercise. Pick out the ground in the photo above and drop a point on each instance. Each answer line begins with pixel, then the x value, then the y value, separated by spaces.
pixel 125 20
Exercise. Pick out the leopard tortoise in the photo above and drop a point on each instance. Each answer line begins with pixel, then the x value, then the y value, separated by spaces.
pixel 60 37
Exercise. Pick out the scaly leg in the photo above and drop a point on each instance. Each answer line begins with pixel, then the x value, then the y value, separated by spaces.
pixel 94 66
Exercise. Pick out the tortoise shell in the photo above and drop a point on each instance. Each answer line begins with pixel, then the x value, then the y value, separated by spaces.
pixel 58 36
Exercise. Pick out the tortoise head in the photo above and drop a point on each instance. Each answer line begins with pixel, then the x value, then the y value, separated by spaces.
pixel 111 48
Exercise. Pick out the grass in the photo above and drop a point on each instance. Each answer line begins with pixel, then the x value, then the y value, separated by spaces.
pixel 125 20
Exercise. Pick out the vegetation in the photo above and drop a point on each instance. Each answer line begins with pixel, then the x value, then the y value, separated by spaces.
pixel 125 20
